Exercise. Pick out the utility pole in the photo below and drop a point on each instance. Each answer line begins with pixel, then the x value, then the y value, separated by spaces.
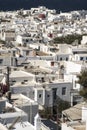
pixel 31 112
pixel 57 118
pixel 8 85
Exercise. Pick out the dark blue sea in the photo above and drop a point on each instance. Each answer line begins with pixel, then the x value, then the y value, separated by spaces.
pixel 59 5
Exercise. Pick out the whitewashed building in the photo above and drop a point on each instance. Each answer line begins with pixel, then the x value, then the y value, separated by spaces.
pixel 75 118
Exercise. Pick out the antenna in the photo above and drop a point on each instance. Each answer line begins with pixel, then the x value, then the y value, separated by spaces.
pixel 14 122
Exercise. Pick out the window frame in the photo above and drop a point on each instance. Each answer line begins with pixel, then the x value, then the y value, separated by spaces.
pixel 63 90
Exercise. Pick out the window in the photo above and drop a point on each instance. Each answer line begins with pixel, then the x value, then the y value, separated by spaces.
pixel 1 60
pixel 48 95
pixel 81 58
pixel 60 58
pixel 64 91
pixel 52 63
pixel 66 58
pixel 25 80
pixel 14 81
pixel 27 52
pixel 27 40
pixel 54 93
pixel 39 95
pixel 24 44
pixel 42 79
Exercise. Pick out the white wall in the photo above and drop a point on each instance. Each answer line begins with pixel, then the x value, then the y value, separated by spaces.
pixel 19 39
pixel 40 96
pixel 59 86
pixel 72 67
pixel 44 48
pixel 78 57
pixel 73 79
pixel 84 40
pixel 64 126
pixel 84 113
pixel 46 97
pixel 49 98
pixel 65 57
pixel 34 46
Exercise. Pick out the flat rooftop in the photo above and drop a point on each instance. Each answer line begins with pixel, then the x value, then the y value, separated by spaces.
pixel 78 125
pixel 75 113
pixel 20 73
pixel 36 70
pixel 21 100
pixel 26 84
pixel 21 126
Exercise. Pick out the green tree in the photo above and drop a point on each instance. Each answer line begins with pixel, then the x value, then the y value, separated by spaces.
pixel 61 105
pixel 69 39
pixel 46 112
pixel 82 80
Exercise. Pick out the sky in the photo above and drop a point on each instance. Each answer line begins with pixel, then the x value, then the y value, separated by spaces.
pixel 60 5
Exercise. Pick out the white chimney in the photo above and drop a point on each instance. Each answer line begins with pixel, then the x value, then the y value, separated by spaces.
pixel 84 115
pixel 86 124
pixel 37 122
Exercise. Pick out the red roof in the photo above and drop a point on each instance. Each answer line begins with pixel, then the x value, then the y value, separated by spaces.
pixel 42 16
